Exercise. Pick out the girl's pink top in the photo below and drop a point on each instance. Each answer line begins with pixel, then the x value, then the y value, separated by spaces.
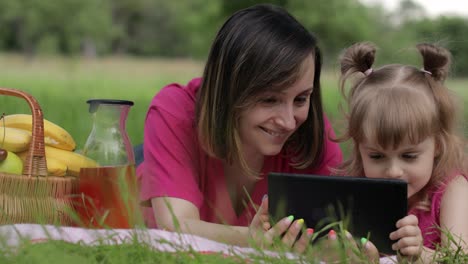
pixel 176 166
pixel 429 221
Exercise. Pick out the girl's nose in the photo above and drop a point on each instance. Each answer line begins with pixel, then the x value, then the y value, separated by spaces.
pixel 394 171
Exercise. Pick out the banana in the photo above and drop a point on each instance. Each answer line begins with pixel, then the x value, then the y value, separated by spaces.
pixel 54 166
pixel 13 139
pixel 54 135
pixel 74 161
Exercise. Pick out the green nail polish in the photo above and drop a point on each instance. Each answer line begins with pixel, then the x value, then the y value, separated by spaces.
pixel 290 218
pixel 363 240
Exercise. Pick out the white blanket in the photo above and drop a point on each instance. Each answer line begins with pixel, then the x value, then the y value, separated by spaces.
pixel 14 235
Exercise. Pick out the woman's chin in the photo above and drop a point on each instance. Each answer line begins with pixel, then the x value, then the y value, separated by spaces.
pixel 271 151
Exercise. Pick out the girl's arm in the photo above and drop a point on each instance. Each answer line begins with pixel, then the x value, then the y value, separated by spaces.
pixel 453 219
pixel 454 213
pixel 176 214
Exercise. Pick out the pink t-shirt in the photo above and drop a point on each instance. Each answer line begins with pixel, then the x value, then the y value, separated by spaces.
pixel 176 166
pixel 429 221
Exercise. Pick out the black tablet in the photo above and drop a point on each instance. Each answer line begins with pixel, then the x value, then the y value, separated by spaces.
pixel 367 207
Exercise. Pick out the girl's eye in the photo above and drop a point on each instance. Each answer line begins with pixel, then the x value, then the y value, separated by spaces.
pixel 375 156
pixel 409 156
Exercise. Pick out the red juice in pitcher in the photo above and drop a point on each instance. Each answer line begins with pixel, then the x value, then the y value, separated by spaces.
pixel 109 197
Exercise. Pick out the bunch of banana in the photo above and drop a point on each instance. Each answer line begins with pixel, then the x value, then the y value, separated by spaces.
pixel 59 145
pixel 54 135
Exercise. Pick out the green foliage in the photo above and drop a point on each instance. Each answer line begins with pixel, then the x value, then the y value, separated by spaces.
pixel 65 25
pixel 229 7
pixel 450 32
pixel 185 28
pixel 337 23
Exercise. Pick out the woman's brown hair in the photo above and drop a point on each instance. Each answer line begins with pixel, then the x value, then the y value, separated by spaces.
pixel 257 49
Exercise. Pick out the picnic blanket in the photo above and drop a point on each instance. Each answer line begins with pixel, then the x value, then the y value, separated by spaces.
pixel 14 235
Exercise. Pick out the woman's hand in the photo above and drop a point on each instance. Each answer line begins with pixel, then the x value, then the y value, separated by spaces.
pixel 265 235
pixel 408 234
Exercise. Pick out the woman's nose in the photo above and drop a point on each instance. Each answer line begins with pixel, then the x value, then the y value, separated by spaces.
pixel 286 118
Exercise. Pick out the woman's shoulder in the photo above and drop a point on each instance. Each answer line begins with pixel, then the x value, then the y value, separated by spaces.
pixel 176 98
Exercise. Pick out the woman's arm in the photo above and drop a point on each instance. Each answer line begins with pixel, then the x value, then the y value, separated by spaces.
pixel 176 214
pixel 180 215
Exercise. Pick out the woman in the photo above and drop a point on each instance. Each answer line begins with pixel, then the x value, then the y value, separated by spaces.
pixel 257 109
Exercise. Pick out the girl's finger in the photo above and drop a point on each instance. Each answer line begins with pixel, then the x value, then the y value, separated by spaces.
pixel 407 221
pixel 405 231
pixel 413 251
pixel 407 242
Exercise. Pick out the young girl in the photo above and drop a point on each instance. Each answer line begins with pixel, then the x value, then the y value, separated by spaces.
pixel 401 120
pixel 209 145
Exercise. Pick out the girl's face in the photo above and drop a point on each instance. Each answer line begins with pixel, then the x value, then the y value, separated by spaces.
pixel 408 162
pixel 275 116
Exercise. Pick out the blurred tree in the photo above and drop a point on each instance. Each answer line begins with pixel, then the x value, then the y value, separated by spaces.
pixel 71 24
pixel 408 10
pixel 450 32
pixel 185 28
pixel 163 28
pixel 337 23
pixel 229 6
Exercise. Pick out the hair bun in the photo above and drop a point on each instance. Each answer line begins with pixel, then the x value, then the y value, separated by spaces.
pixel 436 60
pixel 358 58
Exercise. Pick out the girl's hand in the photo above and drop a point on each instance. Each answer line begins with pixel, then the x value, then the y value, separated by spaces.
pixel 408 234
pixel 265 235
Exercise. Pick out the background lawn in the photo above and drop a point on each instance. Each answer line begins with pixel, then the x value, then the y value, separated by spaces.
pixel 62 87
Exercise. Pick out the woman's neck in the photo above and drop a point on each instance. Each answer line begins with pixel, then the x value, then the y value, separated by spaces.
pixel 234 169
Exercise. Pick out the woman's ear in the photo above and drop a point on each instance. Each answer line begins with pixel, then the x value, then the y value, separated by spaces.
pixel 438 147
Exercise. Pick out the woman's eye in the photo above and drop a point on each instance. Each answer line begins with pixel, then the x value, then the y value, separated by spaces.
pixel 302 99
pixel 268 100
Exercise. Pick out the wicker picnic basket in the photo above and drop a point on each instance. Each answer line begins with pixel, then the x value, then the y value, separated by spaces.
pixel 35 197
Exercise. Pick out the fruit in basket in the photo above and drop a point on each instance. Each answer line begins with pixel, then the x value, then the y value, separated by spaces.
pixel 14 140
pixel 74 161
pixel 54 135
pixel 3 154
pixel 54 166
pixel 11 164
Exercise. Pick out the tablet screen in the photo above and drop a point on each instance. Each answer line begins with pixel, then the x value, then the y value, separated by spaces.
pixel 366 207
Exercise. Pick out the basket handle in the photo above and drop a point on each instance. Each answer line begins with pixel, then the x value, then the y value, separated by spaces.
pixel 35 163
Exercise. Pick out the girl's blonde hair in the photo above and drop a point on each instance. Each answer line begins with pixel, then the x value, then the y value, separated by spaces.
pixel 397 102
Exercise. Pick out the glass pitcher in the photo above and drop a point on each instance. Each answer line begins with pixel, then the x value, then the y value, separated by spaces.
pixel 108 192
pixel 108 143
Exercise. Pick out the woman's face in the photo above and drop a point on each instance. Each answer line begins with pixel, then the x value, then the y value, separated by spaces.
pixel 275 116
